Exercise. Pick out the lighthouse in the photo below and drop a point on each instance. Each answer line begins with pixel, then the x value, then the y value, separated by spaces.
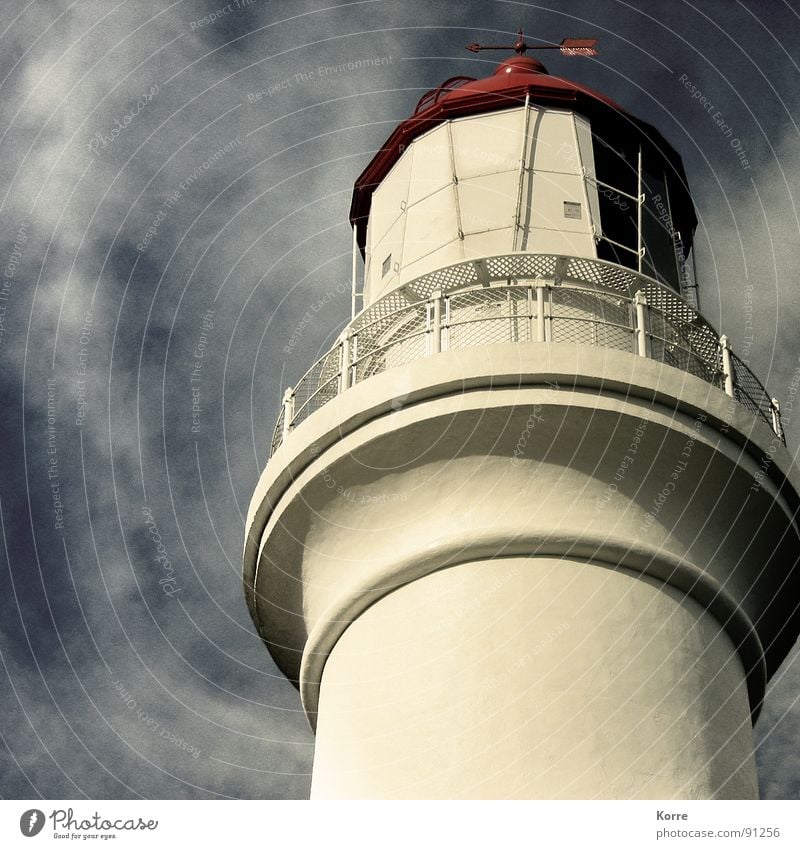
pixel 527 530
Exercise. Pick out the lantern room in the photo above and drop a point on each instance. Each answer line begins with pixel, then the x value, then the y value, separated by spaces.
pixel 522 161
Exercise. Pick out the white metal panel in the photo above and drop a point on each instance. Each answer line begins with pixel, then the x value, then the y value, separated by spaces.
pixel 445 255
pixel 559 242
pixel 488 244
pixel 431 167
pixel 543 202
pixel 389 199
pixel 551 142
pixel 487 202
pixel 487 143
pixel 389 248
pixel 429 224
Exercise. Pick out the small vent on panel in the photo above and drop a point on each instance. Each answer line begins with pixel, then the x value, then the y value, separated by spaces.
pixel 387 264
pixel 572 209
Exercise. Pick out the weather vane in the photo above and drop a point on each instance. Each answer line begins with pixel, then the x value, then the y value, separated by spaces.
pixel 568 47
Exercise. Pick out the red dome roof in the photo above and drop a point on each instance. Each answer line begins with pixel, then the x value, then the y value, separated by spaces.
pixel 512 80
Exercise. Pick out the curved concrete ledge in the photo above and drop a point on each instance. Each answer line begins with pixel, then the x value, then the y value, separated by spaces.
pixel 316 556
pixel 616 553
pixel 530 364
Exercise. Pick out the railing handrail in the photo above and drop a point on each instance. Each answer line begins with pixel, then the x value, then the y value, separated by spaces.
pixel 691 334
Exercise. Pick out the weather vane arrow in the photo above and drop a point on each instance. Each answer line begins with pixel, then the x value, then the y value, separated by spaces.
pixel 568 47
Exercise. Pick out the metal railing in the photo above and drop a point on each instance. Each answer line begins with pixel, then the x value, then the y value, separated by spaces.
pixel 526 298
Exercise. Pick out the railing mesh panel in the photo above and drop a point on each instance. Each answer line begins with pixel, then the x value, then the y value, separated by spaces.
pixel 277 434
pixel 750 392
pixel 318 386
pixel 398 353
pixel 589 302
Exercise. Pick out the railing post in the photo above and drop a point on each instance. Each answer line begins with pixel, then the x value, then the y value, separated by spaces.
pixel 288 411
pixel 436 297
pixel 776 418
pixel 344 363
pixel 639 205
pixel 727 365
pixel 531 315
pixel 354 278
pixel 541 332
pixel 640 325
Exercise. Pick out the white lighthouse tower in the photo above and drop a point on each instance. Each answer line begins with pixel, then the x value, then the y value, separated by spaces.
pixel 528 530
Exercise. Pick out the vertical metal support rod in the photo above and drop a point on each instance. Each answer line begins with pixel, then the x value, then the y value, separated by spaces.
pixel 354 286
pixel 344 364
pixel 518 215
pixel 513 327
pixel 459 227
pixel 695 287
pixel 532 332
pixel 437 321
pixel 288 411
pixel 677 242
pixel 639 205
pixel 590 217
pixel 541 326
pixel 640 303
pixel 727 365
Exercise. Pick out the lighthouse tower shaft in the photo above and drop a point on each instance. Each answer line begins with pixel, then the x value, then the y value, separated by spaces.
pixel 527 530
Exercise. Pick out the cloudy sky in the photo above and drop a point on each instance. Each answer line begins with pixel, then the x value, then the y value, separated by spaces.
pixel 173 186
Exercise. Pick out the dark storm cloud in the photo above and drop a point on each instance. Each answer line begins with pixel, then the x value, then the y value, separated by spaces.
pixel 162 172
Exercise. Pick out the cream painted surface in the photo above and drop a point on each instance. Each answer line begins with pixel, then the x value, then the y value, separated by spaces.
pixel 430 223
pixel 458 191
pixel 534 678
pixel 484 202
pixel 432 165
pixel 558 242
pixel 484 146
pixel 479 245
